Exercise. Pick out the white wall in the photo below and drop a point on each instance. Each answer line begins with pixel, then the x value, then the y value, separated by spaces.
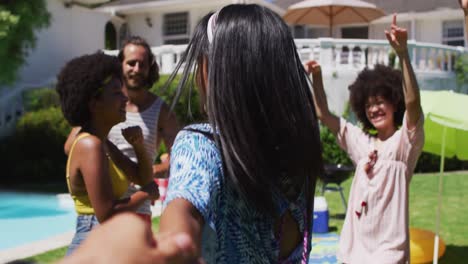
pixel 154 34
pixel 138 27
pixel 72 32
pixel 377 31
pixel 429 31
pixel 428 25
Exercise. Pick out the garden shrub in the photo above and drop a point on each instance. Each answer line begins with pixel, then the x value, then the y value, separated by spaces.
pixel 41 98
pixel 332 153
pixel 34 154
pixel 429 162
pixel 461 69
pixel 187 108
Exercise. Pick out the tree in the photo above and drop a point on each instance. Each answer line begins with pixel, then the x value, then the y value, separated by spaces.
pixel 461 70
pixel 18 21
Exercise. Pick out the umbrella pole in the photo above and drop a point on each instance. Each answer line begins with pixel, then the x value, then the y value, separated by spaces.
pixel 331 22
pixel 442 160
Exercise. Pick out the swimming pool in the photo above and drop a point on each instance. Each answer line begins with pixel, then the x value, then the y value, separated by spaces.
pixel 27 217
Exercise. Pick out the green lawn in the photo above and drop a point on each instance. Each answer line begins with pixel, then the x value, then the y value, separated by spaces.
pixel 423 203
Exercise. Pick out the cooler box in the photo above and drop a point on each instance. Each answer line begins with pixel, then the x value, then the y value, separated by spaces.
pixel 320 221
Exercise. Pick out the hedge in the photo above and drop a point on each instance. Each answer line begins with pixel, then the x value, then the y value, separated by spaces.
pixel 34 154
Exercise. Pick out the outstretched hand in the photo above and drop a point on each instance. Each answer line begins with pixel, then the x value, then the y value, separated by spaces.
pixel 397 37
pixel 125 238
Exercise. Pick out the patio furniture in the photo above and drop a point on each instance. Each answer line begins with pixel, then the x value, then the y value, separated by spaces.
pixel 333 177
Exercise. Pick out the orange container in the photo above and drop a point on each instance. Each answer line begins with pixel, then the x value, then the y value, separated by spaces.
pixel 422 246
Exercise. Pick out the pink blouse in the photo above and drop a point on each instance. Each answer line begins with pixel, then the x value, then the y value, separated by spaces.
pixel 376 224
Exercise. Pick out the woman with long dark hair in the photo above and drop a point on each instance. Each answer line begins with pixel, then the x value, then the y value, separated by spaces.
pixel 242 184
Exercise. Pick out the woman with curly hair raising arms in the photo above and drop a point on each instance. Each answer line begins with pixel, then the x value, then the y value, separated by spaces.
pixel 97 173
pixel 384 151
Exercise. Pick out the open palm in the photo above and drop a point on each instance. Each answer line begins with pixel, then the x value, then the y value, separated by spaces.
pixel 397 37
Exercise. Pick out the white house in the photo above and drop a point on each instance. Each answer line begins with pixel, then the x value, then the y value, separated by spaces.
pixel 78 27
pixel 165 22
pixel 85 26
pixel 435 21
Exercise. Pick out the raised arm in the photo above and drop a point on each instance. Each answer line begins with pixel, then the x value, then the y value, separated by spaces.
pixel 141 172
pixel 398 38
pixel 320 99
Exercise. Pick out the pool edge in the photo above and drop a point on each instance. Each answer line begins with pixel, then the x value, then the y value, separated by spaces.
pixel 42 246
pixel 35 248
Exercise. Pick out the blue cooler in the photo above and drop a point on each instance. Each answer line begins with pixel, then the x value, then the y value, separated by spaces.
pixel 320 222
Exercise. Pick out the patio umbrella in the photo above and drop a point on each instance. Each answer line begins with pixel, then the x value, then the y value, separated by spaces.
pixel 331 13
pixel 446 127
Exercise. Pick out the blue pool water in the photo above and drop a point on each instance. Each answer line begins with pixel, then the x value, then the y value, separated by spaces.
pixel 26 218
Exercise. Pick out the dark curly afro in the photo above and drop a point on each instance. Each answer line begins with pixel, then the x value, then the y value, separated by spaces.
pixel 80 81
pixel 380 81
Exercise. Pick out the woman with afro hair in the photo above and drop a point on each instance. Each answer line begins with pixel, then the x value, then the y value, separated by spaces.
pixel 97 173
pixel 384 152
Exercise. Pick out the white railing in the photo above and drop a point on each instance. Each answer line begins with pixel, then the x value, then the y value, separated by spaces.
pixel 335 55
pixel 357 54
pixel 343 53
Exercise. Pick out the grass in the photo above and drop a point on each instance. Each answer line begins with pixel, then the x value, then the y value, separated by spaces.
pixel 422 210
pixel 423 204
pixel 49 256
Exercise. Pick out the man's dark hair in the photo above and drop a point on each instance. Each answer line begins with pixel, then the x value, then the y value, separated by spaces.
pixel 153 74
pixel 380 81
pixel 80 81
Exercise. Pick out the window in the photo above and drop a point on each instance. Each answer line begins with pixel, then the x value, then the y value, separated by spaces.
pixel 355 33
pixel 176 28
pixel 453 33
pixel 300 31
pixel 110 42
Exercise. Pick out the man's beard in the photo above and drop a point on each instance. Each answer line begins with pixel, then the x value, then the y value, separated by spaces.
pixel 139 85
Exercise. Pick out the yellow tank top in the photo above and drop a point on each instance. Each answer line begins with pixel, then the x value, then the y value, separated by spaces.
pixel 118 180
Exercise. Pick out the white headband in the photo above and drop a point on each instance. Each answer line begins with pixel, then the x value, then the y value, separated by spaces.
pixel 210 28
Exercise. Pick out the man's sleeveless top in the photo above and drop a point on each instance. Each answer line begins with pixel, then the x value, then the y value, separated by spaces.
pixel 148 121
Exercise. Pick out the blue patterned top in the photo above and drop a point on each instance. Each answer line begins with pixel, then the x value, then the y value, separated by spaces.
pixel 234 231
